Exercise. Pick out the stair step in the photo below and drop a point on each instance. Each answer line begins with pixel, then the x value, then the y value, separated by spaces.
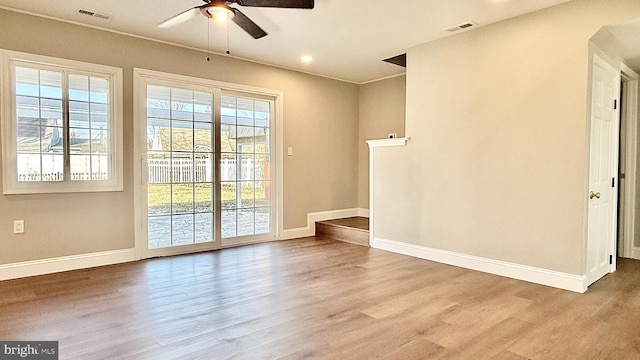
pixel 353 230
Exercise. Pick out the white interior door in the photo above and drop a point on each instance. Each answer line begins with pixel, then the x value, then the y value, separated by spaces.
pixel 603 170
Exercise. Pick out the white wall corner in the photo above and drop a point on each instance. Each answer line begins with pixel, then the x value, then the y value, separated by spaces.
pixel 65 263
pixel 541 276
pixel 363 212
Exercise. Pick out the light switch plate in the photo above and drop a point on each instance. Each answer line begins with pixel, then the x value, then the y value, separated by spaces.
pixel 18 226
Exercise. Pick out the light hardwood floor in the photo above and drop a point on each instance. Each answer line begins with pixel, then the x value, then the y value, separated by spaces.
pixel 319 299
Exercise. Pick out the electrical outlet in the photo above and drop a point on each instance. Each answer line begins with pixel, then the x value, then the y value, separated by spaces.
pixel 18 226
pixel 392 135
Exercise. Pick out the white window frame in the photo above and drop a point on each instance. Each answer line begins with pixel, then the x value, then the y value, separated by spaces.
pixel 10 184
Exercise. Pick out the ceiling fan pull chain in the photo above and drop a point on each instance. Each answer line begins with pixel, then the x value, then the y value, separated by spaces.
pixel 228 52
pixel 208 38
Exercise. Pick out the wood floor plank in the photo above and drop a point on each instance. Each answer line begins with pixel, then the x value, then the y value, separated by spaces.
pixel 421 348
pixel 507 355
pixel 317 298
pixel 422 299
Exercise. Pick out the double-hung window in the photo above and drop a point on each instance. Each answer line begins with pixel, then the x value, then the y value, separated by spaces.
pixel 61 125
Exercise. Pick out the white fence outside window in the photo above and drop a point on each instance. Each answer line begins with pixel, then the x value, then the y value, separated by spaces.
pixel 160 170
pixel 46 167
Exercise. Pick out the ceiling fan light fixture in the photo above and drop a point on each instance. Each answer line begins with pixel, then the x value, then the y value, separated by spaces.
pixel 220 13
pixel 220 10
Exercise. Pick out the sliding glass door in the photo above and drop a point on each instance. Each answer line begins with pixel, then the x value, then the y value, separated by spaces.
pixel 207 174
pixel 245 166
pixel 181 173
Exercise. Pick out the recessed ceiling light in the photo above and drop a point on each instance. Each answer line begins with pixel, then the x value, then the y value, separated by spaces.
pixel 306 58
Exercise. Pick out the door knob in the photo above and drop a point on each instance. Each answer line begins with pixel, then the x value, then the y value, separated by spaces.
pixel 594 195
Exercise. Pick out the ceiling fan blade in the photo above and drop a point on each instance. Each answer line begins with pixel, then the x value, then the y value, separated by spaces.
pixel 180 18
pixel 247 25
pixel 291 4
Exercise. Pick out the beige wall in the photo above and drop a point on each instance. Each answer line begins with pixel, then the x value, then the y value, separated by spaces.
pixel 497 162
pixel 320 123
pixel 382 111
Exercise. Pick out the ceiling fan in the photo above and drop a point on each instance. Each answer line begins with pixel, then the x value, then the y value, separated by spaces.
pixel 220 9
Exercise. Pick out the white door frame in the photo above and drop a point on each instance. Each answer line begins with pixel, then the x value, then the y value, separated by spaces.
pixel 630 106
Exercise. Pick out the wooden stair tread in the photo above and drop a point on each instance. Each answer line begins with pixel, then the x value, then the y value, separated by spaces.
pixel 357 222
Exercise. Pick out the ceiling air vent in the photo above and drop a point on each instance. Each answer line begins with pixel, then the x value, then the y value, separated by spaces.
pixel 94 14
pixel 463 26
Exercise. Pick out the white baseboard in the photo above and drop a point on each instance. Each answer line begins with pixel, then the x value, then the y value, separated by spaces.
pixel 310 229
pixel 556 279
pixel 296 233
pixel 65 263
pixel 82 261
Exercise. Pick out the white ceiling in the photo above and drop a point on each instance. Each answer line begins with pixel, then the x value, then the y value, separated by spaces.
pixel 347 39
pixel 628 34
